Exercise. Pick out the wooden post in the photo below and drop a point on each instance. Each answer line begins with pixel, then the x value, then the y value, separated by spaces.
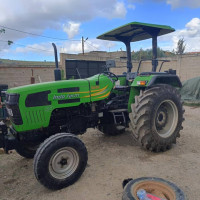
pixel 83 45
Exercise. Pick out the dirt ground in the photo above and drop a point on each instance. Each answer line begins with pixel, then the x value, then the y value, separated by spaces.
pixel 111 160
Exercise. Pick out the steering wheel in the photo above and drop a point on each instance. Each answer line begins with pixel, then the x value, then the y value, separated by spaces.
pixel 110 74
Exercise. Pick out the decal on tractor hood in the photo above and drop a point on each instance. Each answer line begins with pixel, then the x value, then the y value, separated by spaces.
pixel 65 96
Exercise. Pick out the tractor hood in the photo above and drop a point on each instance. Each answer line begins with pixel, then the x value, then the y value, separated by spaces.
pixel 43 86
pixel 57 85
pixel 26 103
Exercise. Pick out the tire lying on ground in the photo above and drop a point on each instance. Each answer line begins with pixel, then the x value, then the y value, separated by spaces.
pixel 155 186
pixel 60 161
pixel 157 117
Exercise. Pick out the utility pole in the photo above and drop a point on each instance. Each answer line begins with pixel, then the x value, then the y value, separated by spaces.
pixel 83 44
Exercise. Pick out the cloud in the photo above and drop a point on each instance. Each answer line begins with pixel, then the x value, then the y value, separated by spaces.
pixel 42 49
pixel 89 45
pixel 184 3
pixel 112 10
pixel 181 3
pixel 71 28
pixel 72 47
pixel 191 35
pixel 37 15
pixel 131 6
pixel 173 3
pixel 119 10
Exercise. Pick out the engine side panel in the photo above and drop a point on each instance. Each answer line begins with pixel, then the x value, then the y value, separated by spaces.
pixel 37 102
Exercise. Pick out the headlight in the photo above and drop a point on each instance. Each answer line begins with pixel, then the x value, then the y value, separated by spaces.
pixel 12 99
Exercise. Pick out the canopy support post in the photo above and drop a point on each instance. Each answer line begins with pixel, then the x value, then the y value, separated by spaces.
pixel 128 51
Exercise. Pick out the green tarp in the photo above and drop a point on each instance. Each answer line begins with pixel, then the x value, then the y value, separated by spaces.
pixel 190 92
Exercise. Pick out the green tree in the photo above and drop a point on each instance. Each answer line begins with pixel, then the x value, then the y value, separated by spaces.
pixel 3 31
pixel 10 42
pixel 147 54
pixel 180 46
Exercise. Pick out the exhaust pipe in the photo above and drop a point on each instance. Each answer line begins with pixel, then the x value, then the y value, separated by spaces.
pixel 57 71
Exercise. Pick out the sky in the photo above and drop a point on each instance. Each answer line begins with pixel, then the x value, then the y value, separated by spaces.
pixel 34 24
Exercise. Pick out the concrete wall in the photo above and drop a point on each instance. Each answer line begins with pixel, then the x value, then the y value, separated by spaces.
pixel 21 75
pixel 187 66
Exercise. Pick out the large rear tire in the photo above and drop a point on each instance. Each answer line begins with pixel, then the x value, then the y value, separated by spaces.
pixel 60 161
pixel 157 117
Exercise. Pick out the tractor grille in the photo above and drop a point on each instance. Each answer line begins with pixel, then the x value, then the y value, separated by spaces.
pixel 35 117
pixel 12 107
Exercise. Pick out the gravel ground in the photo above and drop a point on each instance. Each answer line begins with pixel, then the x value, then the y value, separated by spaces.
pixel 111 160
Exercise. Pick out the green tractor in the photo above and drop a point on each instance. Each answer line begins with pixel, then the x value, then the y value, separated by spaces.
pixel 47 117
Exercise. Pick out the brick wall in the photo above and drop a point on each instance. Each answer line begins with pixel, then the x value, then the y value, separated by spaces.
pixel 21 75
pixel 187 66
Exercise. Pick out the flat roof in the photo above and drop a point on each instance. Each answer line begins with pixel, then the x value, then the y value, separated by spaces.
pixel 136 31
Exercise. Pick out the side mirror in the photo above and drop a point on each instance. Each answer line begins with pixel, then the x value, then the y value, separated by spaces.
pixel 110 64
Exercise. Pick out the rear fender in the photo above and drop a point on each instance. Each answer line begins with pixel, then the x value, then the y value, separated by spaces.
pixel 151 80
pixel 134 91
pixel 172 80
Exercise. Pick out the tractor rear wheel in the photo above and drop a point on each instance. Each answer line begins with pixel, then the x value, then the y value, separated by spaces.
pixel 157 117
pixel 60 161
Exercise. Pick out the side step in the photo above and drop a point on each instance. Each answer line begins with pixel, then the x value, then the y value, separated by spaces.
pixel 118 115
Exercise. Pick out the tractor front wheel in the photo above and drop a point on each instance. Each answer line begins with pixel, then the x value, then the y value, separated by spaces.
pixel 60 161
pixel 157 117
